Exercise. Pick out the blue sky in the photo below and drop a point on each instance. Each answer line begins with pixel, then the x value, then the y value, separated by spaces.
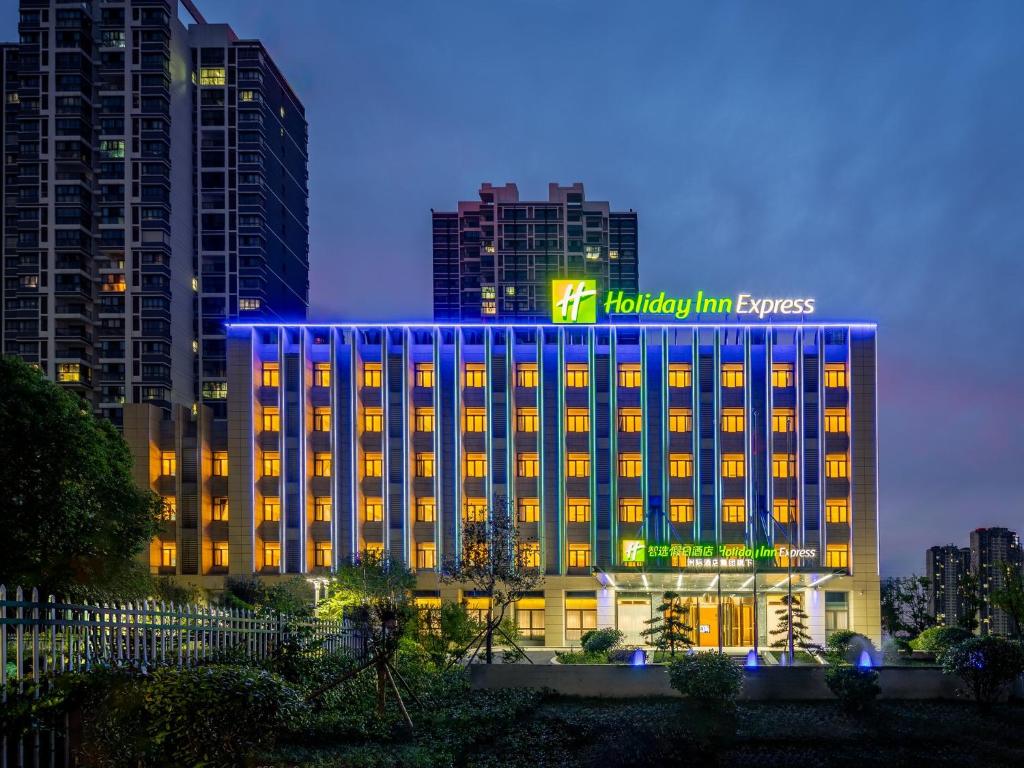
pixel 870 154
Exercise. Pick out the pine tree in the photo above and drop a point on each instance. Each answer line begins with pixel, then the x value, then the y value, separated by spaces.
pixel 801 637
pixel 668 630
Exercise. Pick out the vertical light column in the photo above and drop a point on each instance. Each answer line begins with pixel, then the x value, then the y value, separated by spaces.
pixel 613 442
pixel 592 441
pixel 645 459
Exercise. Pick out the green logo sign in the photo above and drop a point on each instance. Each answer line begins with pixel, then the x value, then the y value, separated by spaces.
pixel 573 301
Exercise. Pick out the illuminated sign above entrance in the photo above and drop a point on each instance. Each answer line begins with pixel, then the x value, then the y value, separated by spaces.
pixel 701 556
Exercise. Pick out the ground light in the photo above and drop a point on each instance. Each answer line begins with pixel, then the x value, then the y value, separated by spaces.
pixel 638 659
pixel 864 662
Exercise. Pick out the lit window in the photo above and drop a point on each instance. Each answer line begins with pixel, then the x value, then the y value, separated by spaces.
pixel 475 420
pixel 474 510
pixel 529 510
pixel 322 508
pixel 835 420
pixel 424 375
pixel 168 464
pixel 220 463
pixel 373 420
pixel 527 420
pixel 248 305
pixel 733 510
pixel 271 464
pixel 782 374
pixel 215 390
pixel 836 465
pixel 577 465
pixel 220 554
pixel 732 375
pixel 784 510
pixel 630 465
pixel 783 420
pixel 526 375
pixel 426 509
pixel 322 464
pixel 372 375
pixel 680 511
pixel 577 376
pixel 373 510
pixel 630 420
pixel 373 550
pixel 488 307
pixel 732 420
pixel 837 556
pixel 424 420
pixel 168 555
pixel 476 465
pixel 169 511
pixel 322 375
pixel 476 375
pixel 680 465
pixel 679 375
pixel 271 419
pixel 246 95
pixel 680 420
pixel 373 465
pixel 426 555
pixel 631 511
pixel 212 76
pixel 527 465
pixel 579 556
pixel 836 511
pixel 835 374
pixel 322 419
pixel 271 509
pixel 488 292
pixel 577 420
pixel 113 283
pixel 271 554
pixel 783 465
pixel 629 375
pixel 733 465
pixel 424 465
pixel 220 508
pixel 322 554
pixel 69 372
pixel 578 510
pixel 592 252
pixel 510 290
pixel 613 253
pixel 529 554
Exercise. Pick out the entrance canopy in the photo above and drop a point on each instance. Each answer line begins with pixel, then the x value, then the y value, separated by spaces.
pixel 696 583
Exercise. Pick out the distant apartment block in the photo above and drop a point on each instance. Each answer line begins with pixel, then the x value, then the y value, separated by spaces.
pixel 992 550
pixel 947 567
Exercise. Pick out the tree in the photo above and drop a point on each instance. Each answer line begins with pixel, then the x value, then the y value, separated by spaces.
pixel 446 632
pixel 494 562
pixel 801 637
pixel 905 611
pixel 72 516
pixel 1010 596
pixel 669 630
pixel 970 603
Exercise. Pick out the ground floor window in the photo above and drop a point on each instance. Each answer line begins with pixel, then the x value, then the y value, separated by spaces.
pixel 837 612
pixel 580 616
pixel 530 617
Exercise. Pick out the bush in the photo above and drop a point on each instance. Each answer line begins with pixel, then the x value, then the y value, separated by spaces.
pixel 938 639
pixel 600 640
pixel 581 657
pixel 855 688
pixel 846 646
pixel 711 678
pixel 988 665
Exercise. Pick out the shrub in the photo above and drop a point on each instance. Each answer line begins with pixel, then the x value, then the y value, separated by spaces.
pixel 938 639
pixel 711 678
pixel 988 665
pixel 581 657
pixel 855 688
pixel 600 640
pixel 846 646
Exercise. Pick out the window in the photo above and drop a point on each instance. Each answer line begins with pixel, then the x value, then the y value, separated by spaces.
pixel 168 555
pixel 246 95
pixel 529 554
pixel 168 464
pixel 424 465
pixel 578 510
pixel 680 420
pixel 248 305
pixel 220 554
pixel 322 554
pixel 629 375
pixel 373 465
pixel 784 510
pixel 220 463
pixel 373 510
pixel 577 420
pixel 783 420
pixel 836 511
pixel 782 374
pixel 476 375
pixel 837 612
pixel 271 555
pixel 835 374
pixel 372 375
pixel 530 617
pixel 271 374
pixel 169 511
pixel 69 372
pixel 630 465
pixel 373 420
pixel 579 555
pixel 577 376
pixel 476 465
pixel 837 556
pixel 733 510
pixel 475 420
pixel 212 76
pixel 526 375
pixel 424 375
pixel 679 375
pixel 630 420
pixel 527 465
pixel 271 418
pixel 680 511
pixel 220 508
pixel 577 465
pixel 322 507
pixel 271 464
pixel 373 550
pixel 424 419
pixel 580 616
pixel 732 419
pixel 680 465
pixel 732 375
pixel 835 420
pixel 631 511
pixel 836 465
pixel 529 510
pixel 322 375
pixel 426 509
pixel 733 465
pixel 783 465
pixel 526 419
pixel 426 555
pixel 322 419
pixel 322 464
pixel 474 510
pixel 271 509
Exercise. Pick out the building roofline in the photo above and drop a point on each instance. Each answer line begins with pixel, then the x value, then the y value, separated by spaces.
pixel 567 326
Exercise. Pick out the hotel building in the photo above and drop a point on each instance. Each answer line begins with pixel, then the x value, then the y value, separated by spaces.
pixel 628 453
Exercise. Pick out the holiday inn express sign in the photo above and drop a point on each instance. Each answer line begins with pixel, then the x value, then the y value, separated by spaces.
pixel 704 555
pixel 576 302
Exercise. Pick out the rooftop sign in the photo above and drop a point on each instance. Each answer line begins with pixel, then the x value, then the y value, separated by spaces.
pixel 704 555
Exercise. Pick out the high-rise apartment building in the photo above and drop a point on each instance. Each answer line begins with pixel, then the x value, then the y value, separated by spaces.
pixel 947 567
pixel 495 258
pixel 155 186
pixel 992 551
